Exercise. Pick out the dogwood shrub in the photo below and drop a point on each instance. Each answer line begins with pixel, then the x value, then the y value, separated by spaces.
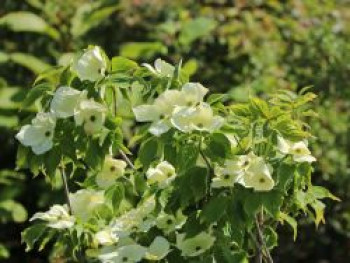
pixel 155 168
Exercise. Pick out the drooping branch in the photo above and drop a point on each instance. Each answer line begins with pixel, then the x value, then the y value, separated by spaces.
pixel 66 188
pixel 261 246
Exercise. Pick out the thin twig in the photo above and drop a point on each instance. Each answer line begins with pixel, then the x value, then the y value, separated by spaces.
pixel 126 158
pixel 262 244
pixel 210 169
pixel 66 189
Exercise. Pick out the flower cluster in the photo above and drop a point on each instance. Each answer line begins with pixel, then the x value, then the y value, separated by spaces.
pixel 186 193
pixel 185 110
pixel 69 102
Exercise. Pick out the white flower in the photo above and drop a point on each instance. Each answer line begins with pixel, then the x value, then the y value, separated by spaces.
pixel 65 101
pixel 258 175
pixel 240 163
pixel 193 93
pixel 163 174
pixel 224 180
pixel 169 223
pixel 85 201
pixel 39 134
pixel 299 150
pixel 159 112
pixel 194 246
pixel 106 237
pixel 91 65
pixel 201 118
pixel 161 68
pixel 125 254
pixel 139 219
pixel 158 249
pixel 91 114
pixel 111 171
pixel 57 217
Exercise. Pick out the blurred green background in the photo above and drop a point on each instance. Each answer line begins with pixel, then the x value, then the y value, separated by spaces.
pixel 241 47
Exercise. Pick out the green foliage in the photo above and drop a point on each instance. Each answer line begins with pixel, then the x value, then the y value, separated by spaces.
pixel 245 49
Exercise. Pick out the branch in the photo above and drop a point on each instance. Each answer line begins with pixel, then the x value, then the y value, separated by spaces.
pixel 126 159
pixel 66 189
pixel 261 243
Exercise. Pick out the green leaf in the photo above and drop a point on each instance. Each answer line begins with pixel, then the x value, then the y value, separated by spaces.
pixel 30 62
pixel 195 29
pixel 4 252
pixel 215 209
pixel 271 201
pixel 123 64
pixel 285 175
pixel 260 107
pixel 218 147
pixel 320 192
pixel 52 160
pixel 148 152
pixel 32 234
pixel 186 156
pixel 146 50
pixel 15 210
pixel 35 93
pixel 291 221
pixel 270 237
pixel 115 194
pixel 94 155
pixel 4 57
pixel 28 22
pixel 318 207
pixel 88 16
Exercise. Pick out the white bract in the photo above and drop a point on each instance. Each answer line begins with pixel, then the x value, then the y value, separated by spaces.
pixel 163 174
pixel 39 134
pixel 299 150
pixel 91 114
pixel 111 171
pixel 57 217
pixel 258 175
pixel 91 65
pixel 200 118
pixel 125 254
pixel 194 246
pixel 161 68
pixel 158 249
pixel 169 223
pixel 65 101
pixel 106 237
pixel 85 201
pixel 224 180
pixel 138 219
pixel 161 111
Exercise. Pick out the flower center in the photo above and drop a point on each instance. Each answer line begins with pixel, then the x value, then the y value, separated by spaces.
pixel 125 259
pixel 92 118
pixel 262 180
pixel 169 221
pixel 226 176
pixel 112 169
pixel 200 125
pixel 198 248
pixel 169 174
pixel 245 163
pixel 47 134
pixel 298 150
